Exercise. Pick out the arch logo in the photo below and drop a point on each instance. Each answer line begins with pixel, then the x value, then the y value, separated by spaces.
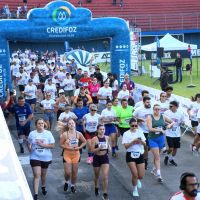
pixel 61 15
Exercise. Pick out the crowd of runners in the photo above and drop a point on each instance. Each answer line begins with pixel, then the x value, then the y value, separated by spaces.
pixel 94 111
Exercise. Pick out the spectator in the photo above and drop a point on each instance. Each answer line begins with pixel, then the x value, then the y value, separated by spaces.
pixel 178 64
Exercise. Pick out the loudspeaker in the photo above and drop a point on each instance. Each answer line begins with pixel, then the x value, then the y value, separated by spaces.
pixel 160 52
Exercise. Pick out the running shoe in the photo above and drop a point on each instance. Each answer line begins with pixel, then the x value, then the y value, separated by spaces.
pixel 44 191
pixel 73 190
pixel 114 155
pixel 159 178
pixel 89 160
pixel 166 160
pixel 139 184
pixel 65 186
pixel 153 171
pixel 135 192
pixel 105 196
pixel 173 163
pixel 96 191
pixel 35 197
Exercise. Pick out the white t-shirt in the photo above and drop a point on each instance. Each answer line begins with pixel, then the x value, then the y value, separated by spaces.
pixel 110 115
pixel 123 94
pixel 30 89
pixel 115 85
pixel 198 117
pixel 194 108
pixel 181 196
pixel 91 122
pixel 142 113
pixel 51 89
pixel 65 116
pixel 105 92
pixel 15 69
pixel 38 152
pixel 177 117
pixel 163 106
pixel 129 136
pixel 48 104
pixel 69 84
pixel 138 104
pixel 60 77
pixel 24 78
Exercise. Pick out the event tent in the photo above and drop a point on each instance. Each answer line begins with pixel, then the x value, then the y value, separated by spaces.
pixel 169 43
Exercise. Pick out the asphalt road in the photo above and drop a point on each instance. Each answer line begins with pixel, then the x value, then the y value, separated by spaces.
pixel 119 179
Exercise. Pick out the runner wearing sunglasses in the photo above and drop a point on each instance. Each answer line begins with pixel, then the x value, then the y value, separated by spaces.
pixel 134 142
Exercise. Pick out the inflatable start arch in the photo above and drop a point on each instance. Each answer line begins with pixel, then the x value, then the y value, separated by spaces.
pixel 61 21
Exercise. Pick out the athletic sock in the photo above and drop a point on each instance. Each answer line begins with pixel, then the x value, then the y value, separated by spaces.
pixel 113 149
pixel 158 172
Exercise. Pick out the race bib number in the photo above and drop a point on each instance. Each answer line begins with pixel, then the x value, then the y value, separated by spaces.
pixel 61 105
pixel 47 106
pixel 73 142
pixel 22 118
pixel 127 120
pixel 103 145
pixel 135 154
pixel 174 128
pixel 40 150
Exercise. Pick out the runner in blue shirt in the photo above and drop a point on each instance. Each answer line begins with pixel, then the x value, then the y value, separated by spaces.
pixel 23 116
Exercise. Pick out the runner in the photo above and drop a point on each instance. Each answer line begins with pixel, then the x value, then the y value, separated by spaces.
pixel 141 113
pixel 134 142
pixel 104 93
pixel 108 118
pixel 93 88
pixel 80 111
pixel 61 101
pixel 144 93
pixel 100 147
pixel 90 122
pixel 173 135
pixel 157 124
pixel 40 141
pixel 65 116
pixel 30 92
pixel 189 185
pixel 163 103
pixel 123 93
pixel 124 114
pixel 71 141
pixel 23 116
pixel 47 106
pixel 192 112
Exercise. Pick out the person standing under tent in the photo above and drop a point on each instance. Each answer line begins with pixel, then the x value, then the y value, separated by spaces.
pixel 178 64
pixel 40 143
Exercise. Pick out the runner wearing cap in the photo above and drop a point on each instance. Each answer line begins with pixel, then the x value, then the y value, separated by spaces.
pixel 61 101
pixel 30 92
pixel 90 122
pixel 65 116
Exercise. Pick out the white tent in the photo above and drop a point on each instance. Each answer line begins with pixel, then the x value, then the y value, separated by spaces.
pixel 169 43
